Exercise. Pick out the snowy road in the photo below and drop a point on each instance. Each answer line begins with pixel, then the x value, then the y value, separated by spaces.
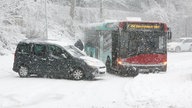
pixel 165 90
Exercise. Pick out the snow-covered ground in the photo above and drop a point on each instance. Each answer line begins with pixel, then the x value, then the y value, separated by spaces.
pixel 172 89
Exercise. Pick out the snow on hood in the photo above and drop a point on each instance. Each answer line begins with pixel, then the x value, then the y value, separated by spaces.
pixel 97 63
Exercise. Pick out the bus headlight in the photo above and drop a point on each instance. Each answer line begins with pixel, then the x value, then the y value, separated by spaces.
pixel 119 61
pixel 165 63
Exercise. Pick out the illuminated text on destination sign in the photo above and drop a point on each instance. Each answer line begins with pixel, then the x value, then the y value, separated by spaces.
pixel 143 26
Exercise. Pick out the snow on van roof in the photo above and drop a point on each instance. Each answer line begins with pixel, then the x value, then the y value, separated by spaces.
pixel 51 41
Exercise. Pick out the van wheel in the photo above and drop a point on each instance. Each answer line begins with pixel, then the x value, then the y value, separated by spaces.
pixel 177 49
pixel 77 74
pixel 190 48
pixel 23 72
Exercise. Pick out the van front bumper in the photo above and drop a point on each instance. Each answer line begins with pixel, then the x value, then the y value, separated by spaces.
pixel 92 72
pixel 98 72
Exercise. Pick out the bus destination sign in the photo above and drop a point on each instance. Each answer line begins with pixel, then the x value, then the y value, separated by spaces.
pixel 153 26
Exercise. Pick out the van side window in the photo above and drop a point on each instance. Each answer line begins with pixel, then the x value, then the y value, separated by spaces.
pixel 55 50
pixel 24 48
pixel 188 41
pixel 39 50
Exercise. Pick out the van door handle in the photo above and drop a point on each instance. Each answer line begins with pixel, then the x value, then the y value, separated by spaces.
pixel 51 59
pixel 43 59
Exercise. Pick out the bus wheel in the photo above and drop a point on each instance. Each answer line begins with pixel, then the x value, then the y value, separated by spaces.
pixel 132 72
pixel 156 71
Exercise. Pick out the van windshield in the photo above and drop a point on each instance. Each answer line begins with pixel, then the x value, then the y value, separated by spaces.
pixel 74 51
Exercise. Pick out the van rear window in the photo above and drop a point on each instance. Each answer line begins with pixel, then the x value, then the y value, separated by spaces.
pixel 23 48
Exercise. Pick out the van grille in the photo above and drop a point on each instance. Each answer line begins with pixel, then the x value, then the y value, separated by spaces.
pixel 101 67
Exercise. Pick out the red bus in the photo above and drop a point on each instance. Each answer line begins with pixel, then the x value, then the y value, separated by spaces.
pixel 133 47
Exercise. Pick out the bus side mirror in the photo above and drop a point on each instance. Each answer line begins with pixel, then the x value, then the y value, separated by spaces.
pixel 169 35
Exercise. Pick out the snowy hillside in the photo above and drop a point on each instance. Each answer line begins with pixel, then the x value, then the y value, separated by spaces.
pixel 26 19
pixel 21 19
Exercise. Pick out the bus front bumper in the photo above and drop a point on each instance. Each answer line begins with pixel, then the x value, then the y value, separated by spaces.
pixel 152 68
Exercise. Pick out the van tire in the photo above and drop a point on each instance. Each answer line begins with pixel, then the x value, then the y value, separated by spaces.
pixel 177 49
pixel 77 74
pixel 23 72
pixel 190 48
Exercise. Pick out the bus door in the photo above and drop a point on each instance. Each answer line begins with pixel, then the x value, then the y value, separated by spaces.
pixel 90 50
pixel 115 47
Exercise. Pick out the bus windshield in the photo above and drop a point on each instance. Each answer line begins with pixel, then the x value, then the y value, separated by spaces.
pixel 142 42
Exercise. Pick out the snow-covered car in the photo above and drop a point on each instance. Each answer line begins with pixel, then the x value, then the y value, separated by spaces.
pixel 182 44
pixel 55 59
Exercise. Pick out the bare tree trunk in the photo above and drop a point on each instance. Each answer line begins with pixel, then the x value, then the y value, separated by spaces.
pixel 72 9
pixel 101 10
pixel 72 14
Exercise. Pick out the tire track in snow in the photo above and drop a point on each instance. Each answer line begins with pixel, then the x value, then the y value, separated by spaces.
pixel 15 101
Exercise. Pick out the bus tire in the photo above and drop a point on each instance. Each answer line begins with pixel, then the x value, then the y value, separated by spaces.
pixel 130 72
pixel 133 71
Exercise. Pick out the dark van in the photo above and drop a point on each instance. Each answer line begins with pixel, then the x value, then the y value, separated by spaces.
pixel 48 58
